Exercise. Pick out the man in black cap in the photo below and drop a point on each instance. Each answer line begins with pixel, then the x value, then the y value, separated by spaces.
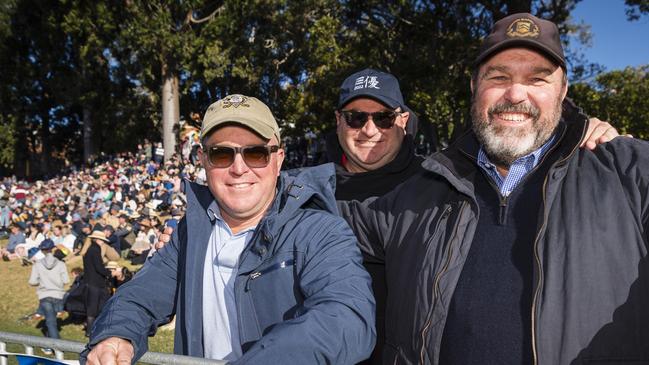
pixel 373 152
pixel 514 245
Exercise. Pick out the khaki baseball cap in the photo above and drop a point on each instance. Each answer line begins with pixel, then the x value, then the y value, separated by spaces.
pixel 244 110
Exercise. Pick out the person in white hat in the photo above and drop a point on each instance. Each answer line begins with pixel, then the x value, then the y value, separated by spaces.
pixel 95 277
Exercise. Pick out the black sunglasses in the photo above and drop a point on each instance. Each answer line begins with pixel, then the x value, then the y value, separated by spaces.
pixel 254 156
pixel 383 119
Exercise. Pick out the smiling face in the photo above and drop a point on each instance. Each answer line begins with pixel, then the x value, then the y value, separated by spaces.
pixel 516 104
pixel 369 147
pixel 243 193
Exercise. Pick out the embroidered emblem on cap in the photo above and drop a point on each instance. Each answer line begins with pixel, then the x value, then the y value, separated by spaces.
pixel 235 101
pixel 523 28
pixel 366 82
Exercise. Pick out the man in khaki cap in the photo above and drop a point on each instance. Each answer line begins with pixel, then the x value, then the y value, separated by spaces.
pixel 259 270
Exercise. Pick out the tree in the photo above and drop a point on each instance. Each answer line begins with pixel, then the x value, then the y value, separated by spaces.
pixel 636 8
pixel 106 74
pixel 160 36
pixel 619 96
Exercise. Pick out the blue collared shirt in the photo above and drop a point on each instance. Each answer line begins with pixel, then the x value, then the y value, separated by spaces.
pixel 220 323
pixel 517 171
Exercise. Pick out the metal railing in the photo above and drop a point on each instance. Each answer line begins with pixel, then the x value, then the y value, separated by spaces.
pixel 62 346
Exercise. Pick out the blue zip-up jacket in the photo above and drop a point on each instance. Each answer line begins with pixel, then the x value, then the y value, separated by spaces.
pixel 301 291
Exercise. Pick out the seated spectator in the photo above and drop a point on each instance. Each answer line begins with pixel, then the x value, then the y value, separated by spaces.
pixel 124 232
pixel 108 253
pixel 26 251
pixel 144 242
pixel 109 231
pixel 15 238
pixel 81 236
pixel 73 300
pixel 65 247
pixel 119 275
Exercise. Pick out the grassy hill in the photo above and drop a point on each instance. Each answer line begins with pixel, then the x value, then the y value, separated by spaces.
pixel 19 300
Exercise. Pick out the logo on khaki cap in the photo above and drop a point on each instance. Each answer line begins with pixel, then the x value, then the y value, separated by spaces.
pixel 235 101
pixel 241 110
pixel 523 28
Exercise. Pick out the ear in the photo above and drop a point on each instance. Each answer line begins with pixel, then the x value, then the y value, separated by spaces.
pixel 202 155
pixel 280 159
pixel 564 92
pixel 402 121
pixel 338 118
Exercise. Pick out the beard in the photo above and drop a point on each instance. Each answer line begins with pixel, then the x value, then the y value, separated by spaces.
pixel 503 144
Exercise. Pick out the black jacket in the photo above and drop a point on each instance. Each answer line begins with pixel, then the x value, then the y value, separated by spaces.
pixel 360 186
pixel 95 273
pixel 591 271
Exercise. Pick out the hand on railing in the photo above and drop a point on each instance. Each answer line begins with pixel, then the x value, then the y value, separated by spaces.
pixel 111 351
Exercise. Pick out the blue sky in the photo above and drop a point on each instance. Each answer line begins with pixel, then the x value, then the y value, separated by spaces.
pixel 616 42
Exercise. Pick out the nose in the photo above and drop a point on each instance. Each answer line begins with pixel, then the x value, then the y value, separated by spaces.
pixel 370 129
pixel 238 166
pixel 516 93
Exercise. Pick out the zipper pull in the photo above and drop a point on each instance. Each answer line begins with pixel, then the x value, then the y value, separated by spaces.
pixel 502 214
pixel 252 277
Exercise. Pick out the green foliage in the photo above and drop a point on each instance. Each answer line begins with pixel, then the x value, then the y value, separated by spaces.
pixel 636 8
pixel 621 97
pixel 64 60
pixel 7 141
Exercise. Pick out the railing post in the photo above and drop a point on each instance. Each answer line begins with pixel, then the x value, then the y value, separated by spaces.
pixel 3 348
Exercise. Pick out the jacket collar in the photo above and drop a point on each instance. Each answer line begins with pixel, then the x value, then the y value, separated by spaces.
pixel 457 163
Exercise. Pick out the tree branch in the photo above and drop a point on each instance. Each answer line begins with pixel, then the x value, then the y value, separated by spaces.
pixel 191 19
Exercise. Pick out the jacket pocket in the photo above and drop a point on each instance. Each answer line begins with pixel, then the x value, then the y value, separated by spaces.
pixel 274 290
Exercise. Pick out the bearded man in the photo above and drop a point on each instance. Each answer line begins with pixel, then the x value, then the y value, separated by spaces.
pixel 514 245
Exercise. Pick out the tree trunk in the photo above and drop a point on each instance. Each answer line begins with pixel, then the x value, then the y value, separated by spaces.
pixel 21 156
pixel 46 153
pixel 170 109
pixel 87 135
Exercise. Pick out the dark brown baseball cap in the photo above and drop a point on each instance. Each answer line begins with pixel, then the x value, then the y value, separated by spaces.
pixel 523 30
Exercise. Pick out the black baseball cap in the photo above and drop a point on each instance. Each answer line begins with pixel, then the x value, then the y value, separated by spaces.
pixel 380 86
pixel 370 83
pixel 46 244
pixel 523 30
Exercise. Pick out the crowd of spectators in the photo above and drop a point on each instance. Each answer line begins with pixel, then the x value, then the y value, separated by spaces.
pixel 131 198
pixel 123 208
pixel 134 198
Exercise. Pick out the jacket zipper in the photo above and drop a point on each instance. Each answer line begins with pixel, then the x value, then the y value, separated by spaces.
pixel 538 258
pixel 438 276
pixel 539 268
